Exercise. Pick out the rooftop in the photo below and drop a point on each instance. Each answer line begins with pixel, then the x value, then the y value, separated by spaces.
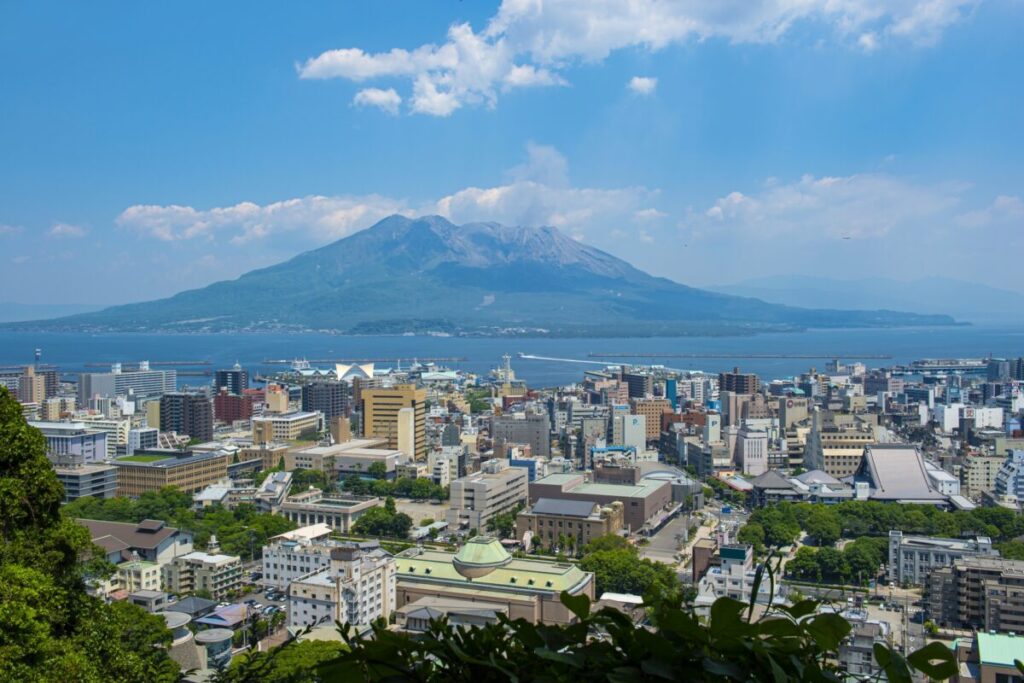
pixel 564 508
pixel 1000 649
pixel 519 575
pixel 149 533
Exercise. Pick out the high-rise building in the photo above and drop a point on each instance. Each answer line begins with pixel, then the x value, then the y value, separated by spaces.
pixel 229 407
pixel 330 397
pixel 523 429
pixel 640 384
pixel 73 442
pixel 738 382
pixel 235 380
pixel 190 414
pixel 652 409
pixel 142 382
pixel 381 414
pixel 982 593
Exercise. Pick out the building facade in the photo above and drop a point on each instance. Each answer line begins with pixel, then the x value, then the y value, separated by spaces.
pixel 495 489
pixel 154 469
pixel 381 407
pixel 197 571
pixel 311 507
pixel 190 414
pixel 980 593
pixel 552 523
pixel 357 587
pixel 913 558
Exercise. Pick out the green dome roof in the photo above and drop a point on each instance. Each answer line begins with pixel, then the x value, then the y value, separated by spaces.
pixel 480 556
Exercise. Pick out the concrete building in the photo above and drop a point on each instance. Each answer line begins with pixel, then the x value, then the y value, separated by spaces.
pixel 330 397
pixel 913 558
pixel 357 587
pixel 1010 477
pixel 151 470
pixel 117 429
pixel 235 380
pixel 856 653
pixel 380 408
pixel 228 407
pixel 483 572
pixel 642 502
pixel 978 474
pixel 752 451
pixel 478 497
pixel 351 457
pixel 738 382
pixel 988 658
pixel 142 438
pixel 295 554
pixel 81 481
pixel 836 449
pixel 979 593
pixel 651 409
pixel 548 521
pixel 522 428
pixel 629 430
pixel 142 383
pixel 281 427
pixel 73 442
pixel 197 571
pixel 733 577
pixel 312 507
pixel 190 414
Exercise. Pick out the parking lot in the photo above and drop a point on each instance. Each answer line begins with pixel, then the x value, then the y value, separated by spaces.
pixel 421 509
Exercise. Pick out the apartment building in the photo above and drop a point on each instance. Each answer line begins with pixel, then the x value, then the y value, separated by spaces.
pixel 296 553
pixel 197 571
pixel 651 409
pixel 837 450
pixel 357 586
pixel 142 382
pixel 913 558
pixel 978 474
pixel 478 497
pixel 522 428
pixel 185 413
pixel 980 593
pixel 151 470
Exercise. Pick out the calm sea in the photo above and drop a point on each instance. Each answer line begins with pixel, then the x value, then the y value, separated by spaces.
pixel 73 351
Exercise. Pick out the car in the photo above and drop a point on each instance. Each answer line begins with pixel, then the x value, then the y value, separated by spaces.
pixel 251 602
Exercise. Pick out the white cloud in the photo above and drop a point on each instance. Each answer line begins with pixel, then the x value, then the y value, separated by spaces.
pixel 1003 209
pixel 538 192
pixel 643 85
pixel 320 218
pixel 67 230
pixel 856 206
pixel 9 229
pixel 528 43
pixel 385 100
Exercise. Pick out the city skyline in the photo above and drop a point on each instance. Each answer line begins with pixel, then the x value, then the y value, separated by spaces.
pixel 705 148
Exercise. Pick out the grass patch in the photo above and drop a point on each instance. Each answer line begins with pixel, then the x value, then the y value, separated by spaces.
pixel 143 458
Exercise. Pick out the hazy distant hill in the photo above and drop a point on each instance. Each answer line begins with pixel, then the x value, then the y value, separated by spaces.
pixel 963 300
pixel 426 274
pixel 13 312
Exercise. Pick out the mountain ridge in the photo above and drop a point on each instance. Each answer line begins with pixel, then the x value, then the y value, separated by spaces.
pixel 427 274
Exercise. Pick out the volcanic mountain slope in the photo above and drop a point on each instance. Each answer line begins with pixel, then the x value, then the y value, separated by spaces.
pixel 427 274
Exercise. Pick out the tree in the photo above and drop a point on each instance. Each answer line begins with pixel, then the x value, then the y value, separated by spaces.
pixel 50 628
pixel 380 521
pixel 1011 550
pixel 753 534
pixel 822 523
pixel 377 470
pixel 296 663
pixel 618 568
pixel 804 565
pixel 426 521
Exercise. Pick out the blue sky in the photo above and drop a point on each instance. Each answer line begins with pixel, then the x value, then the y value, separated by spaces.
pixel 146 149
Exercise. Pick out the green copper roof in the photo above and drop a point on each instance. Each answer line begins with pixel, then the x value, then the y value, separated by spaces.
pixel 517 575
pixel 483 551
pixel 1000 649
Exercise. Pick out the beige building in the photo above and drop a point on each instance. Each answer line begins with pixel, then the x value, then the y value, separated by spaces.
pixel 286 427
pixel 270 454
pixel 978 474
pixel 382 416
pixel 495 489
pixel 549 521
pixel 153 414
pixel 31 386
pixel 116 428
pixel 483 572
pixel 351 457
pixel 152 470
pixel 652 409
pixel 643 502
pixel 218 575
pixel 837 446
pixel 275 399
pixel 357 587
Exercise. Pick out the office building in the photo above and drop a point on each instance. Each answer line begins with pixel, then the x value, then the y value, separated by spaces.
pixel 553 522
pixel 295 554
pixel 478 497
pixel 356 587
pixel 351 457
pixel 639 384
pixel 151 470
pixel 282 427
pixel 522 428
pixel 312 507
pixel 979 593
pixel 738 382
pixel 142 438
pixel 913 558
pixel 651 409
pixel 31 386
pixel 73 442
pixel 330 397
pixel 235 380
pixel 1010 477
pixel 856 654
pixel 381 407
pixel 216 574
pixel 836 449
pixel 978 474
pixel 483 572
pixel 142 383
pixel 642 502
pixel 190 414
pixel 629 431
pixel 734 577
pixel 80 481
